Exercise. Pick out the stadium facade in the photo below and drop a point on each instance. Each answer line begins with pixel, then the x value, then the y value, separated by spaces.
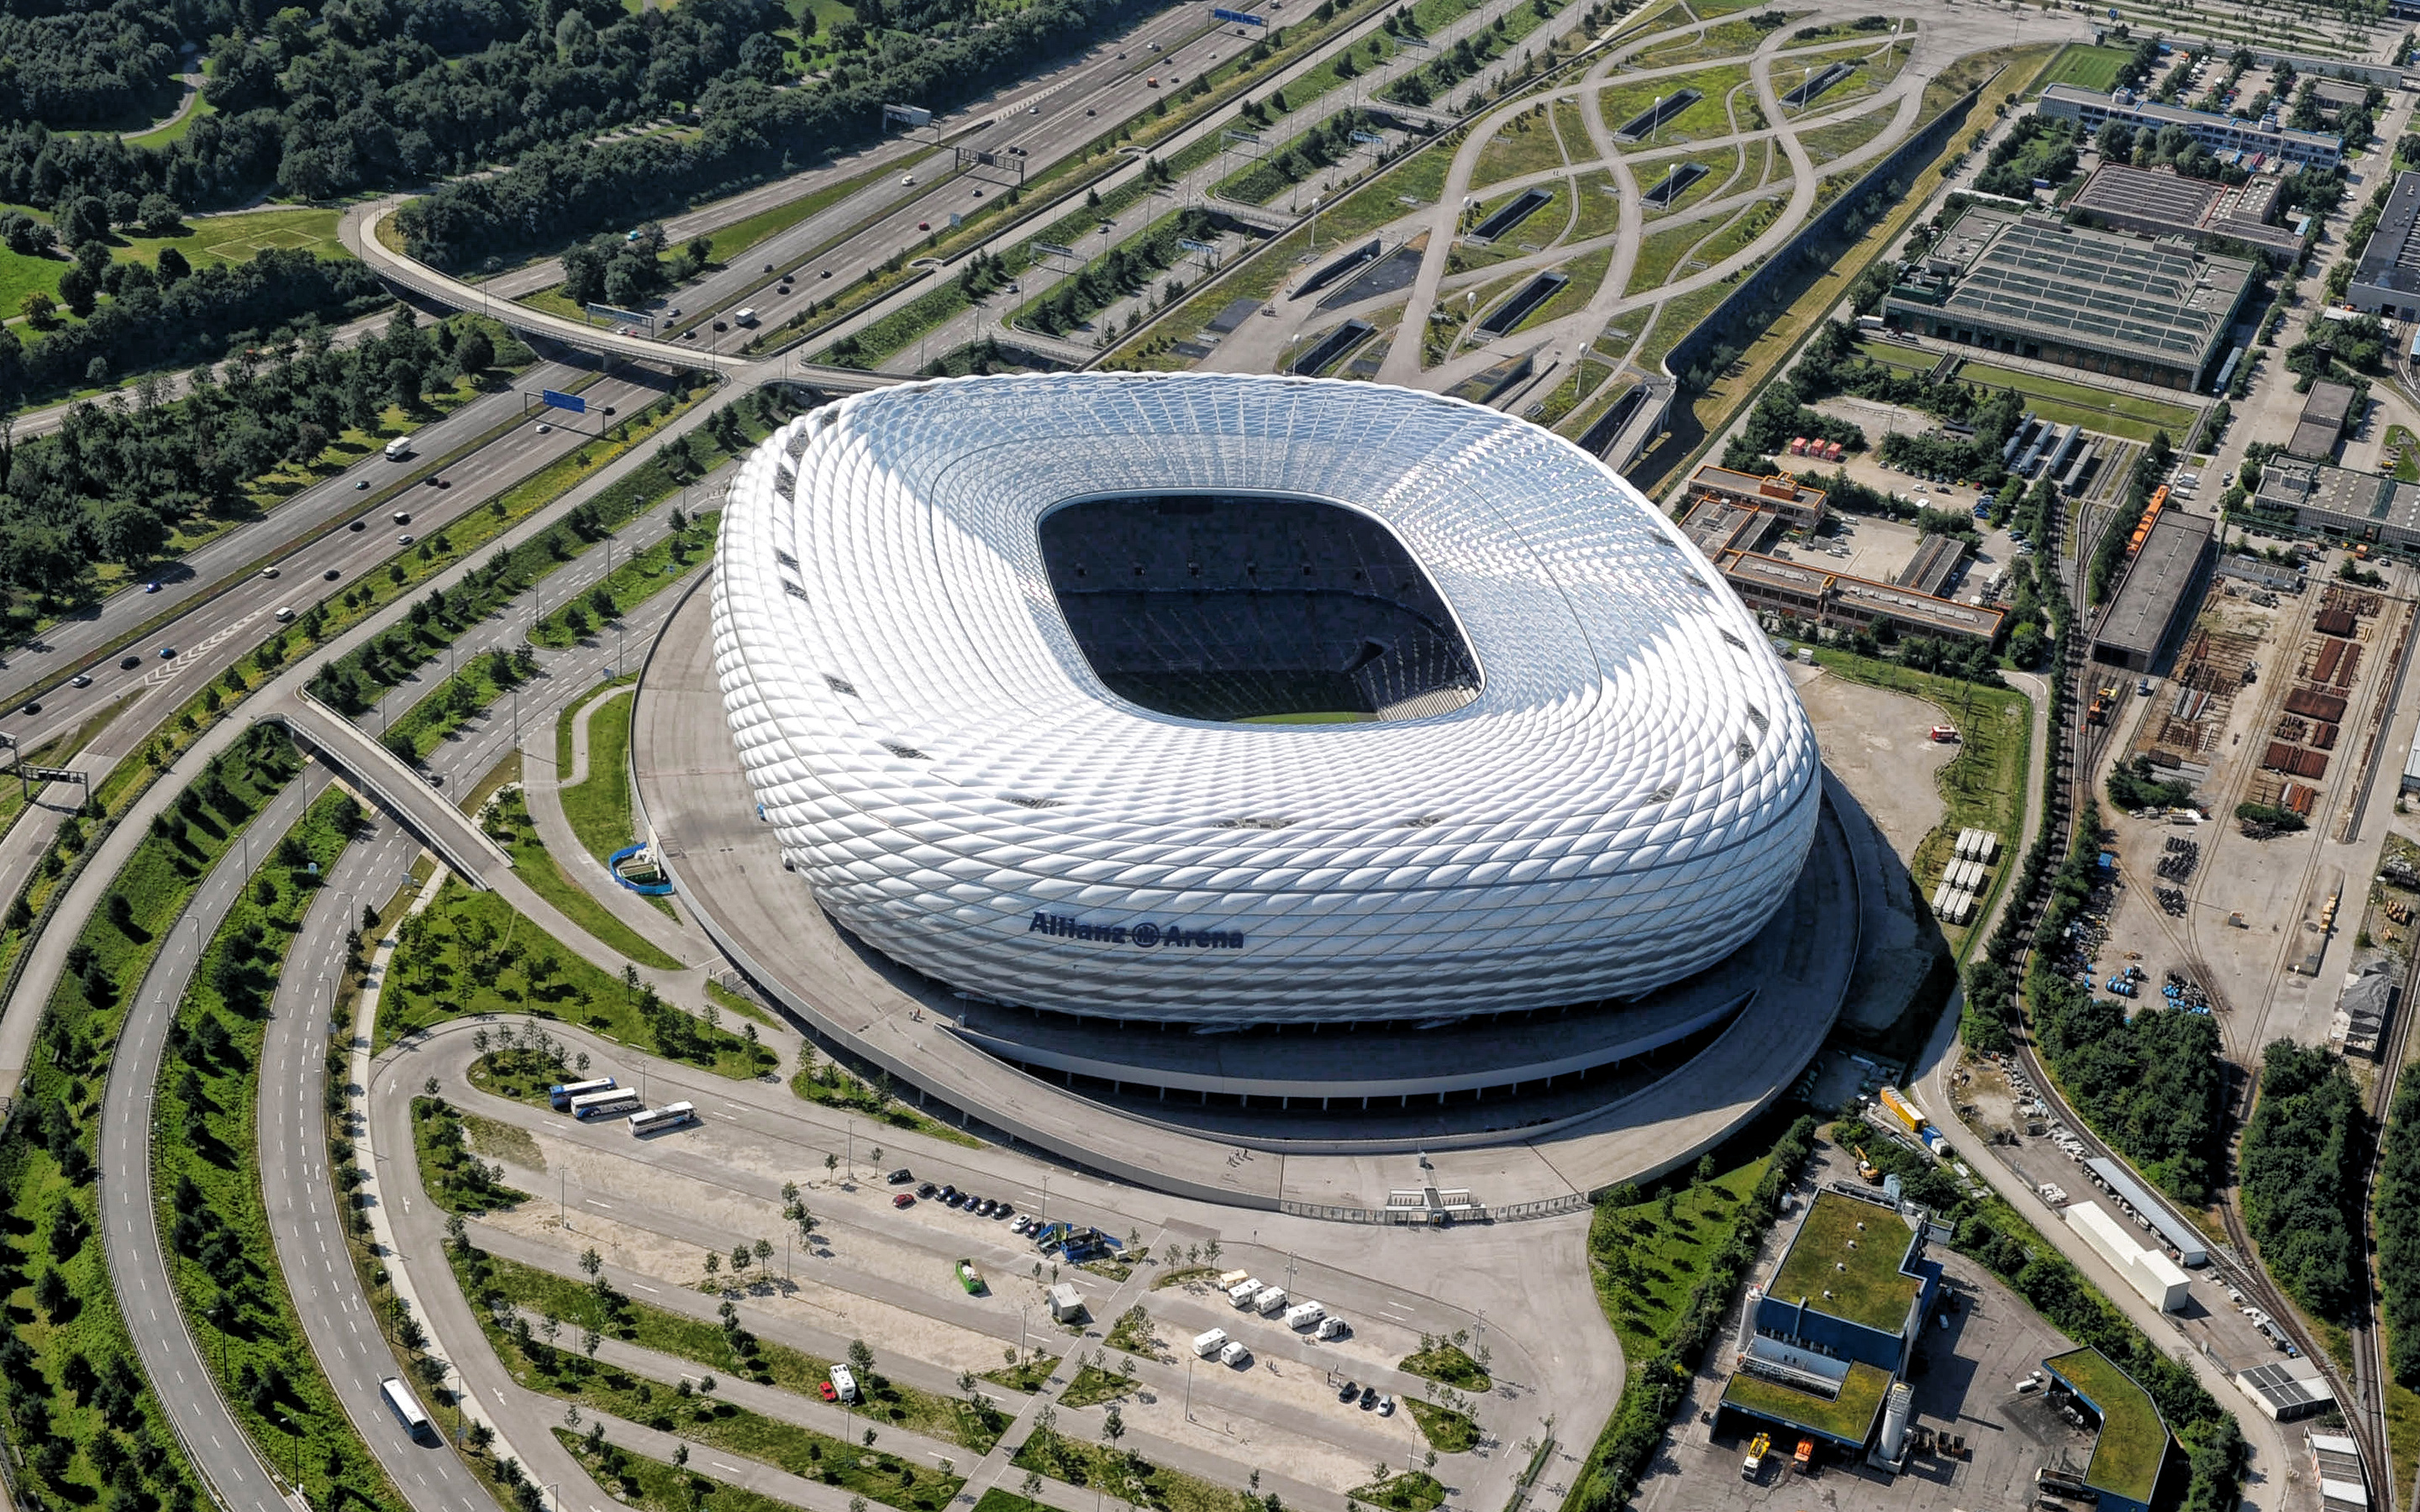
pixel 1226 700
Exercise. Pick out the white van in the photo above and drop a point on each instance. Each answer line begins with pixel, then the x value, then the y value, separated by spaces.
pixel 1206 1344
pixel 844 1383
pixel 745 316
pixel 400 448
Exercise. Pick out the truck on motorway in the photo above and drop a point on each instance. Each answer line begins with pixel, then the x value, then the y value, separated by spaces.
pixel 603 1104
pixel 407 1411
pixel 744 316
pixel 400 448
pixel 561 1093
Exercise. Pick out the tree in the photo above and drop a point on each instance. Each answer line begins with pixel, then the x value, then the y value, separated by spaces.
pixel 861 1358
pixel 79 291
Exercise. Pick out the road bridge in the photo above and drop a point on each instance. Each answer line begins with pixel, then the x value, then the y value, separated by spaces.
pixel 360 232
pixel 394 786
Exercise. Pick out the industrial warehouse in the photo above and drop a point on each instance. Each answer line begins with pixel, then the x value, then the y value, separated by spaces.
pixel 2387 282
pixel 2318 499
pixel 2161 202
pixel 2031 285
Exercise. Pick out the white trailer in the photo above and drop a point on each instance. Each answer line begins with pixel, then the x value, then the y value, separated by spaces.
pixel 1271 1300
pixel 1243 1292
pixel 1304 1315
pixel 1206 1344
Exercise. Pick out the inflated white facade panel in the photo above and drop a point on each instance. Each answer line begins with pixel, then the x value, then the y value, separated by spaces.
pixel 1626 800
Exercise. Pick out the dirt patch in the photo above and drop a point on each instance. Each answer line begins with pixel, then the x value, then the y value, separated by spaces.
pixel 1874 741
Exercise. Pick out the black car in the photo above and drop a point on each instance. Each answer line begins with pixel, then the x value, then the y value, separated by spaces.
pixel 1369 1397
pixel 358 525
pixel 902 1177
pixel 127 664
pixel 927 1191
pixel 332 575
pixel 948 1194
pixel 1005 1209
pixel 32 707
pixel 1352 1388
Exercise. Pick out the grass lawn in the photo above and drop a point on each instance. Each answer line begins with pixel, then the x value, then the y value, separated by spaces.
pixel 598 809
pixel 1840 138
pixel 1730 39
pixel 234 239
pixel 1984 784
pixel 1599 208
pixel 471 952
pixel 2088 67
pixel 1126 1476
pixel 22 275
pixel 1675 318
pixel 1094 1386
pixel 1719 178
pixel 1660 253
pixel 1027 1375
pixel 1890 354
pixel 1523 144
pixel 205 1180
pixel 1448 1432
pixel 1413 1490
pixel 583 1304
pixel 175 131
pixel 651 1485
pixel 562 1371
pixel 2175 419
pixel 1443 1360
pixel 457 1182
pixel 2403 453
pixel 509 823
pixel 2127 1456
pixel 631 584
pixel 827 1083
pixel 1647 1256
pixel 1705 117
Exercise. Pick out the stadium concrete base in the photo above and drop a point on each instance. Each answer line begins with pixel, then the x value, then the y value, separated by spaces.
pixel 1748 1028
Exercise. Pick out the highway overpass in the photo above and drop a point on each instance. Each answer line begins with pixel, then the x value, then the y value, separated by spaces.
pixel 359 231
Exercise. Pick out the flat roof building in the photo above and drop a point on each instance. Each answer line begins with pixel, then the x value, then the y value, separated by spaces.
pixel 1836 1325
pixel 2220 134
pixel 2286 1389
pixel 2386 282
pixel 2321 499
pixel 2323 421
pixel 2132 1447
pixel 1801 508
pixel 2165 573
pixel 1837 602
pixel 2034 287
pixel 2162 202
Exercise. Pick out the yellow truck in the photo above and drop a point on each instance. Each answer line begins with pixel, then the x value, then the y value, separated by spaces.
pixel 1756 1452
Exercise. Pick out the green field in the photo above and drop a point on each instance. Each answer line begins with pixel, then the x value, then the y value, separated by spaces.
pixel 1840 138
pixel 1706 117
pixel 1524 145
pixel 2126 415
pixel 598 810
pixel 2088 67
pixel 235 238
pixel 1646 1258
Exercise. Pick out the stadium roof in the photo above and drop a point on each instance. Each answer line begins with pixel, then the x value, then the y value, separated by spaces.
pixel 925 695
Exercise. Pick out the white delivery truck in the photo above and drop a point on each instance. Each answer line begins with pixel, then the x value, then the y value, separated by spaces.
pixel 400 448
pixel 1243 1292
pixel 744 316
pixel 1271 1300
pixel 1235 1354
pixel 1206 1344
pixel 1304 1315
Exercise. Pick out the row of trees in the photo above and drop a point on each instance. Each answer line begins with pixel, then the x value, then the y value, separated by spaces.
pixel 2398 1232
pixel 2300 1172
pixel 753 133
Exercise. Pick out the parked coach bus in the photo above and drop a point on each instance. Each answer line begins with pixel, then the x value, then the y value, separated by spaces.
pixel 605 1104
pixel 671 1115
pixel 562 1093
pixel 407 1411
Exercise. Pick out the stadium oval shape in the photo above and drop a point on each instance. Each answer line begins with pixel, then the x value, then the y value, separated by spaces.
pixel 1336 703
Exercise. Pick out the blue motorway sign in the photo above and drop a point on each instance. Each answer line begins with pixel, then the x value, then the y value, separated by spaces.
pixel 1237 17
pixel 556 399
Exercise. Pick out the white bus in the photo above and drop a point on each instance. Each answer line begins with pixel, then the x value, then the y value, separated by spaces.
pixel 605 1104
pixel 400 448
pixel 671 1115
pixel 561 1093
pixel 407 1411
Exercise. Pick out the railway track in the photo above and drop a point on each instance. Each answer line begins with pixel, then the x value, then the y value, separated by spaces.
pixel 2080 757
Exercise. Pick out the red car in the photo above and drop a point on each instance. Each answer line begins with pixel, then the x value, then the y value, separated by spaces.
pixel 826 1388
pixel 924 225
pixel 905 1199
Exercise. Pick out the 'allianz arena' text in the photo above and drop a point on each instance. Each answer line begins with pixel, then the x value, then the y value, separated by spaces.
pixel 1223 700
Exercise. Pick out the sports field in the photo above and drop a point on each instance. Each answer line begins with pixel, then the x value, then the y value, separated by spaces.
pixel 2086 67
pixel 235 238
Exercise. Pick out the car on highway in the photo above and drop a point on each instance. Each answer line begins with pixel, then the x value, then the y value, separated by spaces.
pixel 361 484
pixel 127 664
pixel 269 572
pixel 826 274
pixel 403 517
pixel 405 539
pixel 358 525
pixel 924 225
pixel 167 653
pixel 769 268
pixel 331 575
pixel 151 588
pixel 545 429
pixel 1090 111
pixel 81 680
pixel 978 193
pixel 907 180
pixel 32 707
pixel 284 615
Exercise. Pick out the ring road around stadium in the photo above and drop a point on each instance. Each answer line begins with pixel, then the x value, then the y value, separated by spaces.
pixel 1203 747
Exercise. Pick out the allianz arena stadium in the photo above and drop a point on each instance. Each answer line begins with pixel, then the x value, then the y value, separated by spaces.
pixel 1226 700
